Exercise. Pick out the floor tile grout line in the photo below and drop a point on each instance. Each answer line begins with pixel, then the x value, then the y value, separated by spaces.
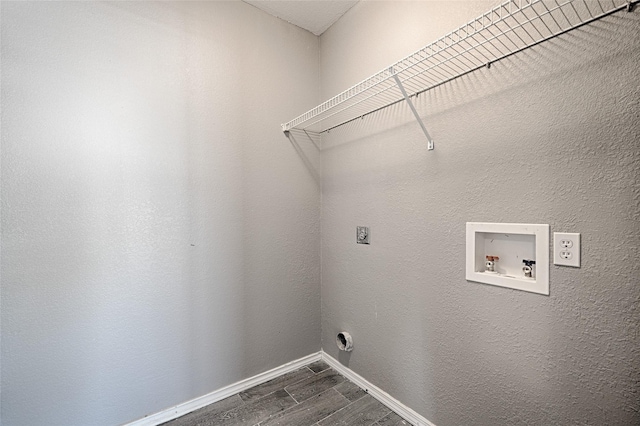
pixel 301 380
pixel 385 415
pixel 349 403
pixel 318 394
pixel 222 415
pixel 283 388
pixel 255 400
pixel 295 400
pixel 315 374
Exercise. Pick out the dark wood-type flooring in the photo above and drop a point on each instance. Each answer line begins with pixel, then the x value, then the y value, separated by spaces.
pixel 315 395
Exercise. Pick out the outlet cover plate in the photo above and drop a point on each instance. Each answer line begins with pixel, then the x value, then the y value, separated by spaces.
pixel 362 234
pixel 566 249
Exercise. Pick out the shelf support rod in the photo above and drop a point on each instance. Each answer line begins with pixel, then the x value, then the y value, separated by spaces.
pixel 413 109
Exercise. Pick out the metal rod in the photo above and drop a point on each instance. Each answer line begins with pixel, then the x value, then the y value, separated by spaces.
pixel 415 112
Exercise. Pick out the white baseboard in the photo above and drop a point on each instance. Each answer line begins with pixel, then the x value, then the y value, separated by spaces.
pixel 393 404
pixel 220 394
pixel 215 396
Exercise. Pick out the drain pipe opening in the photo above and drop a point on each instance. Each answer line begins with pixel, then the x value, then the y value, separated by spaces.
pixel 344 341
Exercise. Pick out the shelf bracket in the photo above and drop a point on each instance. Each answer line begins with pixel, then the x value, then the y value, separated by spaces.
pixel 413 109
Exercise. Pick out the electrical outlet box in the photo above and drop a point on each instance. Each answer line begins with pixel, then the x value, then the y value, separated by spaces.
pixel 497 254
pixel 566 249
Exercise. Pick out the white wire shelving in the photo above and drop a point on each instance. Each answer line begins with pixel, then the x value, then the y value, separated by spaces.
pixel 506 29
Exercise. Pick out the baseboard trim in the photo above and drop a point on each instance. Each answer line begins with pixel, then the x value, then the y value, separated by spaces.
pixel 395 405
pixel 220 394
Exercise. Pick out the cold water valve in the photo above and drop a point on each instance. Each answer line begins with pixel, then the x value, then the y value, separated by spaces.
pixel 528 268
pixel 490 264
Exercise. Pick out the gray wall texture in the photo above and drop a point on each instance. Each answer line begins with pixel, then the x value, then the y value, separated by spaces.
pixel 159 234
pixel 551 135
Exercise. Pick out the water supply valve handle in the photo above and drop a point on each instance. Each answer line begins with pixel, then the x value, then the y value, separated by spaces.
pixel 490 264
pixel 527 269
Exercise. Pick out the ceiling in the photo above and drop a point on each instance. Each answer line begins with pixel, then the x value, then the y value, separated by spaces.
pixel 312 15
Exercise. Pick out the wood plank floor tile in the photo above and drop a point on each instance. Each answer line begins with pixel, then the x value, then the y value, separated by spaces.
pixel 318 366
pixel 278 383
pixel 392 419
pixel 254 412
pixel 350 390
pixel 314 385
pixel 205 414
pixel 310 411
pixel 364 412
pixel 298 398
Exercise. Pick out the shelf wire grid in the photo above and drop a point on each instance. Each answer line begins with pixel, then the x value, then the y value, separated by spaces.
pixel 503 31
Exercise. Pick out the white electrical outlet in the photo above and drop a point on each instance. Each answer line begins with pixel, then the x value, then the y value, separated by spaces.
pixel 566 249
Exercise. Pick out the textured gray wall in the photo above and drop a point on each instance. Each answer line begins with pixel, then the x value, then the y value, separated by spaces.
pixel 159 234
pixel 553 135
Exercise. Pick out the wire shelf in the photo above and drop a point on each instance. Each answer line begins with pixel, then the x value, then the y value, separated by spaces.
pixel 503 31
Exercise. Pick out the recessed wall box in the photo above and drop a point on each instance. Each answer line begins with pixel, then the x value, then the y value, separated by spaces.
pixel 505 246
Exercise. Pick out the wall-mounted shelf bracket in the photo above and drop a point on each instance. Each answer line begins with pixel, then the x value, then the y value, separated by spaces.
pixel 413 109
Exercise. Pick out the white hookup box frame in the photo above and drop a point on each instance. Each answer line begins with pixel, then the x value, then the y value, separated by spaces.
pixel 512 243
